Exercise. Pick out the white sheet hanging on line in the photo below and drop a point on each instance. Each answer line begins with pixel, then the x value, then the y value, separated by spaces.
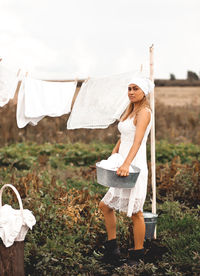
pixel 100 101
pixel 38 99
pixel 8 84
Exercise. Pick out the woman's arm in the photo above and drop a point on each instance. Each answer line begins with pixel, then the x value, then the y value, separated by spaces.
pixel 143 120
pixel 116 148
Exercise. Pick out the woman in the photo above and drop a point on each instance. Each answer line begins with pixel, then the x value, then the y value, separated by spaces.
pixel 134 127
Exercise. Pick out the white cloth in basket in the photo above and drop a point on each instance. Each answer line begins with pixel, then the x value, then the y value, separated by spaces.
pixel 12 226
pixel 113 162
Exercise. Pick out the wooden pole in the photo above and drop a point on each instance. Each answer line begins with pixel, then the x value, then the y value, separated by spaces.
pixel 19 71
pixel 153 159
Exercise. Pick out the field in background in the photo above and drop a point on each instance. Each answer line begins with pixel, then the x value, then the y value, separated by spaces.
pixel 175 121
pixel 178 96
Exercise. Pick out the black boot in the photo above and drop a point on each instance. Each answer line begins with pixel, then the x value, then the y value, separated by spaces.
pixel 135 256
pixel 112 253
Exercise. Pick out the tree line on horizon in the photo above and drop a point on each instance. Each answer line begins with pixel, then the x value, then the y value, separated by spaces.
pixel 190 76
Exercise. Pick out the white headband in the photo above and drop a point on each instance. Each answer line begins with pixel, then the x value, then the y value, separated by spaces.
pixel 144 83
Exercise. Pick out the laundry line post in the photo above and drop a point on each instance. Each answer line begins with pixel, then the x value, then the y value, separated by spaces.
pixel 153 159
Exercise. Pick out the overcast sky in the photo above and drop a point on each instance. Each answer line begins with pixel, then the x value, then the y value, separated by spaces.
pixel 62 39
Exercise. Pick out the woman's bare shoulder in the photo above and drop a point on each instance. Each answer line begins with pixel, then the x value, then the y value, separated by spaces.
pixel 145 110
pixel 144 115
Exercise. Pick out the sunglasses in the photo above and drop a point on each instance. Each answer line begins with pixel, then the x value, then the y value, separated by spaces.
pixel 134 88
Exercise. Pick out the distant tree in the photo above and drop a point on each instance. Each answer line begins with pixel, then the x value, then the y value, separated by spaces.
pixel 172 77
pixel 192 76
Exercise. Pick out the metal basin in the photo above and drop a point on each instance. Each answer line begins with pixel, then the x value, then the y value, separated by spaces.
pixel 109 178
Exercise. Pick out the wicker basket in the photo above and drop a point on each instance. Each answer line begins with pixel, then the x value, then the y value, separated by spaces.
pixel 20 213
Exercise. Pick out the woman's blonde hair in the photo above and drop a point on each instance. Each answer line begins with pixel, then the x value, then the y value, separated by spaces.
pixel 130 111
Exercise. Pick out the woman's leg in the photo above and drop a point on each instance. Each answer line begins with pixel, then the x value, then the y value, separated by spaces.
pixel 138 230
pixel 110 220
pixel 112 252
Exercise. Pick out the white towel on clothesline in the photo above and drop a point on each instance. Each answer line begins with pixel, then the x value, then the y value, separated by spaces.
pixel 8 84
pixel 101 101
pixel 37 99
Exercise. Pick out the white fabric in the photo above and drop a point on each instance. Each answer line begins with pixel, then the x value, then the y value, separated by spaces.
pixel 100 101
pixel 145 84
pixel 113 162
pixel 130 200
pixel 22 120
pixel 13 227
pixel 37 99
pixel 8 84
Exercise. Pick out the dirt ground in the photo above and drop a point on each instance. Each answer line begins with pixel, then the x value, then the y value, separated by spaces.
pixel 178 96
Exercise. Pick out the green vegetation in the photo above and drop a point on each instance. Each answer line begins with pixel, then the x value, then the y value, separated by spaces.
pixel 165 152
pixel 25 155
pixel 58 183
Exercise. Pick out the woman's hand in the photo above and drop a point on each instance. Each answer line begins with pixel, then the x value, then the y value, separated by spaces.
pixel 123 170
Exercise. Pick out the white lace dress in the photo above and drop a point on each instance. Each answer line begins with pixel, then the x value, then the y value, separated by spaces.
pixel 132 200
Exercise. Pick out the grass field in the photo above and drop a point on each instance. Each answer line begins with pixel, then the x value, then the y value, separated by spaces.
pixel 58 183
